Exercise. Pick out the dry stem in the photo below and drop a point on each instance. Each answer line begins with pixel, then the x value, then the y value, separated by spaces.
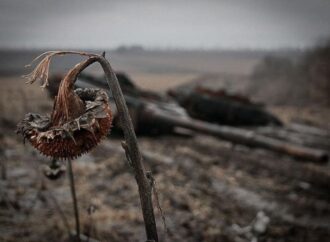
pixel 145 189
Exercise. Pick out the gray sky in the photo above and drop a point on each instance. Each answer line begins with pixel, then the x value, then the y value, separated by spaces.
pixel 163 24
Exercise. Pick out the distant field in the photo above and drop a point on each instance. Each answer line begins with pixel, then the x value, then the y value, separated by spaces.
pixel 197 62
pixel 18 98
pixel 155 70
pixel 149 61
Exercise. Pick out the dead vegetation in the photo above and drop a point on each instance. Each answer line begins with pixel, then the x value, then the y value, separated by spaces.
pixel 79 119
pixel 303 81
pixel 209 189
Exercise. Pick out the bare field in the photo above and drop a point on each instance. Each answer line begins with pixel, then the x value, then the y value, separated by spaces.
pixel 152 70
pixel 18 98
pixel 161 82
pixel 186 62
pixel 210 190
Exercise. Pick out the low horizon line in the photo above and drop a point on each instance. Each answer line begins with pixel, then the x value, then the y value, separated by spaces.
pixel 136 48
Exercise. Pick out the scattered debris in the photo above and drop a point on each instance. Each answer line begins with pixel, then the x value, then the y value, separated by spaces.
pixel 156 114
pixel 257 227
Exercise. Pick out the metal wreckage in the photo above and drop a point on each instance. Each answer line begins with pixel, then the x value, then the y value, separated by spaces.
pixel 210 112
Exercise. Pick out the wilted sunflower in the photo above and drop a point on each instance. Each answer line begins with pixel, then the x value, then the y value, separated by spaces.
pixel 79 120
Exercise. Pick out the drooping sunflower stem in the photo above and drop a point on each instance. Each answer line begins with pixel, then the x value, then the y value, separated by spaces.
pixel 68 105
pixel 145 188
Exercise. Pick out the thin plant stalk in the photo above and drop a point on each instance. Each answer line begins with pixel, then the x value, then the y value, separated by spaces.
pixel 144 184
pixel 60 211
pixel 134 154
pixel 3 168
pixel 131 145
pixel 74 199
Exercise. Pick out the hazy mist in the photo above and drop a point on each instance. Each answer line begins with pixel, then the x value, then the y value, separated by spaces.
pixel 163 24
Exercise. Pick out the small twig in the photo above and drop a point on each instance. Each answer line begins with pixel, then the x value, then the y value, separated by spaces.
pixel 60 212
pixel 38 196
pixel 155 192
pixel 3 168
pixel 74 199
pixel 128 156
pixel 3 158
pixel 91 209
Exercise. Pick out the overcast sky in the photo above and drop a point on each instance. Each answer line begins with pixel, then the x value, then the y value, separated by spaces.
pixel 163 24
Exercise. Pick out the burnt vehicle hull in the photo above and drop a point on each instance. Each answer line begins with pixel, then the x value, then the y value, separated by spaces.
pixel 219 107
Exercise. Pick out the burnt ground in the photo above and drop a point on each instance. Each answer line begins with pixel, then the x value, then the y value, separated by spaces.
pixel 208 189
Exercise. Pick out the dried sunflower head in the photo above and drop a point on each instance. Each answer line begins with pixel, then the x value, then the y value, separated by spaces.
pixel 79 120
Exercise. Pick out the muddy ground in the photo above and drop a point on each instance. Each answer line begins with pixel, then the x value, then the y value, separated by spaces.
pixel 208 189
